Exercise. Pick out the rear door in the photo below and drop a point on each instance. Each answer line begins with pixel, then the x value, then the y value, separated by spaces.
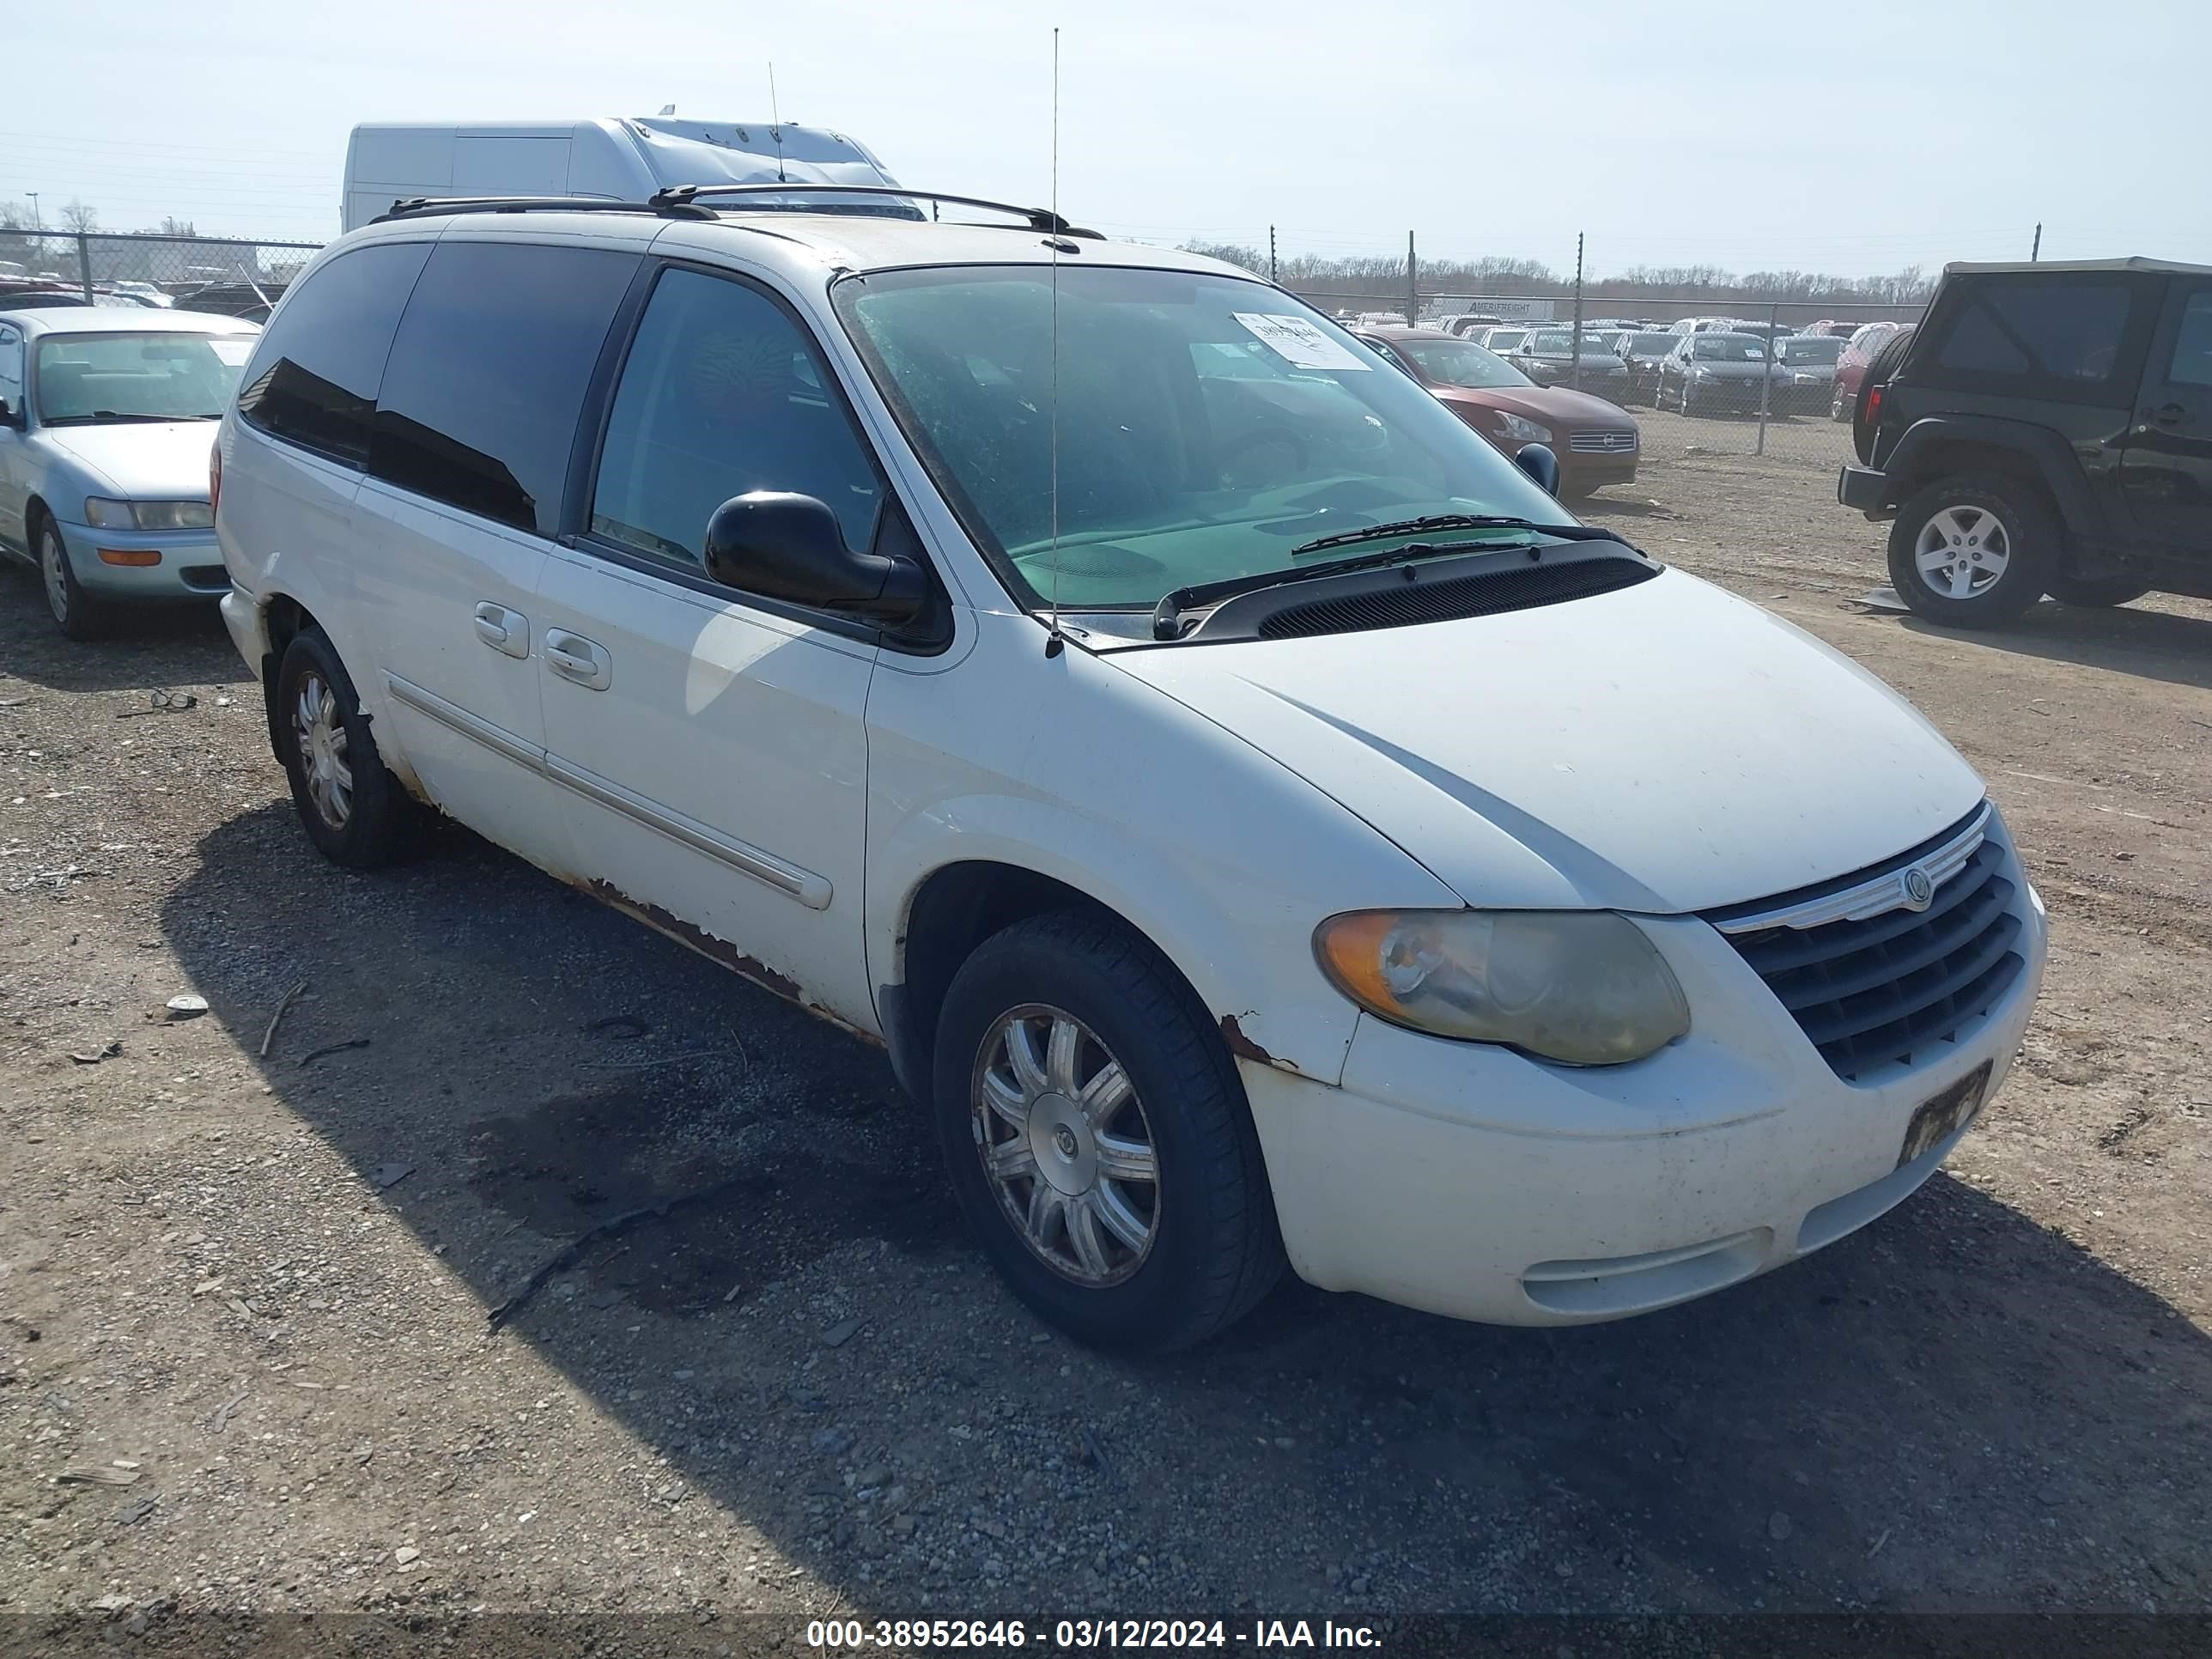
pixel 475 426
pixel 2166 473
pixel 711 745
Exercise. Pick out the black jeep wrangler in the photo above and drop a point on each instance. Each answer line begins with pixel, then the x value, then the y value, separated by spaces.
pixel 2047 430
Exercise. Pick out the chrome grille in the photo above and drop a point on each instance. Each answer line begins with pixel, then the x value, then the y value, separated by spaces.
pixel 1870 989
pixel 1601 443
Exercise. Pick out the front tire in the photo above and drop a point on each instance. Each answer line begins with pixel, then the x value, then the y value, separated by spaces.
pixel 79 615
pixel 1098 1138
pixel 1973 552
pixel 351 807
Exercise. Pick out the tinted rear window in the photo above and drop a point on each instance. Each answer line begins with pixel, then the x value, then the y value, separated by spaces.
pixel 2054 336
pixel 313 379
pixel 486 378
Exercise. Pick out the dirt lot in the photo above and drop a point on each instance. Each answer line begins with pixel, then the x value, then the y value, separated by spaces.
pixel 261 1290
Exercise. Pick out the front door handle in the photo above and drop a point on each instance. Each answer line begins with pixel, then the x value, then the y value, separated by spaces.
pixel 579 661
pixel 503 631
pixel 2167 415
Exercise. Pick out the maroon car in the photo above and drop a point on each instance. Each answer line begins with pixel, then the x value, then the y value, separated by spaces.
pixel 1851 369
pixel 1595 441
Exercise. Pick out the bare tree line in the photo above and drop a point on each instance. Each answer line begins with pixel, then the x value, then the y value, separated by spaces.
pixel 1385 275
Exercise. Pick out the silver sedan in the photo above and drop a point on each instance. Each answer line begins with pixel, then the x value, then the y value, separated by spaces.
pixel 106 422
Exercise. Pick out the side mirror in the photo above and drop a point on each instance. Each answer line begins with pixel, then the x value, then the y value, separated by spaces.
pixel 1540 463
pixel 786 546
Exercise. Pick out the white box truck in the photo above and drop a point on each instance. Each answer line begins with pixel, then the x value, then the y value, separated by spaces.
pixel 610 159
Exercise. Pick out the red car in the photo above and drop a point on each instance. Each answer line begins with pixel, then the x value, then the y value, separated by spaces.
pixel 1851 366
pixel 1595 441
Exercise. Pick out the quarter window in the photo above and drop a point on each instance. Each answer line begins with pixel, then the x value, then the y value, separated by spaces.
pixel 722 394
pixel 480 401
pixel 11 369
pixel 2063 334
pixel 313 379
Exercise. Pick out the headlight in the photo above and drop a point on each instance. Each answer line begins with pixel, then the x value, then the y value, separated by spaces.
pixel 175 515
pixel 147 515
pixel 1583 986
pixel 1701 374
pixel 1521 431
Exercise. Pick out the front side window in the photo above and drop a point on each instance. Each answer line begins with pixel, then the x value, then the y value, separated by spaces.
pixel 2065 334
pixel 313 379
pixel 1149 429
pixel 479 403
pixel 2191 364
pixel 11 369
pixel 722 395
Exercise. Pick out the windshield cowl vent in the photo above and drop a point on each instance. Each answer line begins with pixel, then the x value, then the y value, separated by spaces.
pixel 1400 604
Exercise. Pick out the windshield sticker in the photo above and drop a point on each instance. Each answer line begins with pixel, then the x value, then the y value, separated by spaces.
pixel 1296 341
pixel 231 353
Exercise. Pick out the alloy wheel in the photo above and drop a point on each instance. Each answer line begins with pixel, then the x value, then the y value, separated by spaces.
pixel 1962 552
pixel 319 735
pixel 1065 1144
pixel 50 556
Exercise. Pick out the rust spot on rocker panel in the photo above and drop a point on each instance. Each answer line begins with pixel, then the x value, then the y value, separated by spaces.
pixel 1244 1048
pixel 705 944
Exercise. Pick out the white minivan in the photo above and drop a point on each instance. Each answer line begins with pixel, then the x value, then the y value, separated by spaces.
pixel 1258 824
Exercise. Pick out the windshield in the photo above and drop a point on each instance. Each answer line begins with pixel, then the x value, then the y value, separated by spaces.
pixel 1652 345
pixel 85 378
pixel 1816 348
pixel 1728 349
pixel 1504 339
pixel 1460 362
pixel 1559 343
pixel 1206 426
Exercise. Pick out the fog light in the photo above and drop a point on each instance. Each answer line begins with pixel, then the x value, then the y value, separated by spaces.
pixel 138 556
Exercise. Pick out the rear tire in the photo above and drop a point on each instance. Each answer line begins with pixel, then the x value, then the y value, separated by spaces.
pixel 2095 593
pixel 1209 1249
pixel 1973 552
pixel 79 615
pixel 353 809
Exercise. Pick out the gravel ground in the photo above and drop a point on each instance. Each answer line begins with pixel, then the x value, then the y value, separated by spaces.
pixel 259 1349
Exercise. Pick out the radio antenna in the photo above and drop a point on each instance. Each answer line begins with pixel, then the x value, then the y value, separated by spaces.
pixel 775 126
pixel 1054 644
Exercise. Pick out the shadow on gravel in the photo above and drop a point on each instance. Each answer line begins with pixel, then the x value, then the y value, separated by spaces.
pixel 2152 645
pixel 153 645
pixel 1956 1408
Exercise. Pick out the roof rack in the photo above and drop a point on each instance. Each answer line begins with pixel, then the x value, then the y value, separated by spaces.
pixel 1044 219
pixel 426 207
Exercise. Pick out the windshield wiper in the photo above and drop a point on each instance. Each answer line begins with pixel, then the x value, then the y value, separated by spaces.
pixel 1167 615
pixel 1374 533
pixel 116 418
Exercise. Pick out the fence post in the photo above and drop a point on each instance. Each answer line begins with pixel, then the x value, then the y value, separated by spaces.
pixel 1271 253
pixel 1413 285
pixel 1766 381
pixel 1576 373
pixel 84 264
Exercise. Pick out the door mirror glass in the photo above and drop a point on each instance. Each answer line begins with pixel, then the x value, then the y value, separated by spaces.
pixel 785 546
pixel 1540 463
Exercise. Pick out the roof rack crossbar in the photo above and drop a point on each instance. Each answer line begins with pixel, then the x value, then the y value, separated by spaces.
pixel 428 207
pixel 1043 219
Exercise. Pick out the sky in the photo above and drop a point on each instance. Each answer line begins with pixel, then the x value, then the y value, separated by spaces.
pixel 1858 140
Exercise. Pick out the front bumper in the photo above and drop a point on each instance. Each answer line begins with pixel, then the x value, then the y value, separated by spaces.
pixel 189 562
pixel 1470 1182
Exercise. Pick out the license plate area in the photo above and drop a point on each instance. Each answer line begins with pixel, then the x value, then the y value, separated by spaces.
pixel 1952 1110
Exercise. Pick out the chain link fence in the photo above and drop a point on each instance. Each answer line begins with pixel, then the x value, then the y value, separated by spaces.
pixel 197 273
pixel 1781 384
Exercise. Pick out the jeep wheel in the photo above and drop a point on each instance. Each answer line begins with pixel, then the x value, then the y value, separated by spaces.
pixel 2096 593
pixel 1972 552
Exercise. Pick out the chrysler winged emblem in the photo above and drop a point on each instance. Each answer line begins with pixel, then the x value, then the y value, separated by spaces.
pixel 1919 889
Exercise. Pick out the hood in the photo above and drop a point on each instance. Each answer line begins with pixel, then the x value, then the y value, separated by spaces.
pixel 1664 748
pixel 1723 370
pixel 164 463
pixel 1551 405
